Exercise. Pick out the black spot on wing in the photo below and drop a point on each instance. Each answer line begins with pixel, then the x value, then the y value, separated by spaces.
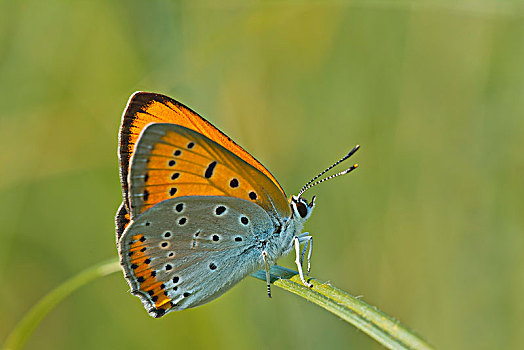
pixel 210 168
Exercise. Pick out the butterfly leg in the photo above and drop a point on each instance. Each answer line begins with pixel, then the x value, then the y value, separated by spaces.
pixel 309 242
pixel 301 240
pixel 297 261
pixel 268 280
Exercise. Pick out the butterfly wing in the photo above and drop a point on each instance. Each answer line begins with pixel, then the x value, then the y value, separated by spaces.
pixel 122 219
pixel 144 108
pixel 186 251
pixel 171 161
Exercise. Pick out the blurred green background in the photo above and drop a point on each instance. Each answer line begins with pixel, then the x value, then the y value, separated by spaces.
pixel 429 228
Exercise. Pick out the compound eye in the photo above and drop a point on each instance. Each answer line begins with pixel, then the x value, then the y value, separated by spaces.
pixel 302 209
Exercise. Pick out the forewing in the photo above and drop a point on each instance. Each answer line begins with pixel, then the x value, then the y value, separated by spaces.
pixel 144 108
pixel 171 161
pixel 188 250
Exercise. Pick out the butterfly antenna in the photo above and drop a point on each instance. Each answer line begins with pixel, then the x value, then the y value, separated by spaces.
pixel 312 182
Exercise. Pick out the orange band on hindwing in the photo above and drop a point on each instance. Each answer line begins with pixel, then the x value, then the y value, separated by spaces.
pixel 140 264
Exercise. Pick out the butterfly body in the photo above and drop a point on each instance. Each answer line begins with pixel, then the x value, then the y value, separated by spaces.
pixel 199 212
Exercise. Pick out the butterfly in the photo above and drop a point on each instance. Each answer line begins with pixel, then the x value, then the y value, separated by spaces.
pixel 199 213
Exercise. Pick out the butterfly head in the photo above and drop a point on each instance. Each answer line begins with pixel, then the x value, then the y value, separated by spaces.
pixel 301 208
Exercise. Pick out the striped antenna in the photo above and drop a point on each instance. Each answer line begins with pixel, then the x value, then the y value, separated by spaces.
pixel 312 182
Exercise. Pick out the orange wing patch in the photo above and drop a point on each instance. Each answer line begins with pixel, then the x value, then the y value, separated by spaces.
pixel 146 285
pixel 172 161
pixel 145 108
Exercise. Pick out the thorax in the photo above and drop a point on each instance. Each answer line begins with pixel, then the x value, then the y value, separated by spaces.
pixel 280 242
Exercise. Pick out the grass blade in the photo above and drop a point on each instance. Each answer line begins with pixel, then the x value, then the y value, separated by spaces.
pixel 381 327
pixel 26 326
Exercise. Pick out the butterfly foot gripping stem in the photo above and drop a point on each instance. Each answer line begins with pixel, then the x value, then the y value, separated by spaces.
pixel 297 261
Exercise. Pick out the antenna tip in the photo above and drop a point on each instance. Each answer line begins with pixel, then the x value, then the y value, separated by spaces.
pixel 355 165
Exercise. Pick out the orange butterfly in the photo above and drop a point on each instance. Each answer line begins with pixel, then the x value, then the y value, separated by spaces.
pixel 199 213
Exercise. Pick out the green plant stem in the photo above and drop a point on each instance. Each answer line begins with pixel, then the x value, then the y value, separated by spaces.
pixel 26 326
pixel 383 328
